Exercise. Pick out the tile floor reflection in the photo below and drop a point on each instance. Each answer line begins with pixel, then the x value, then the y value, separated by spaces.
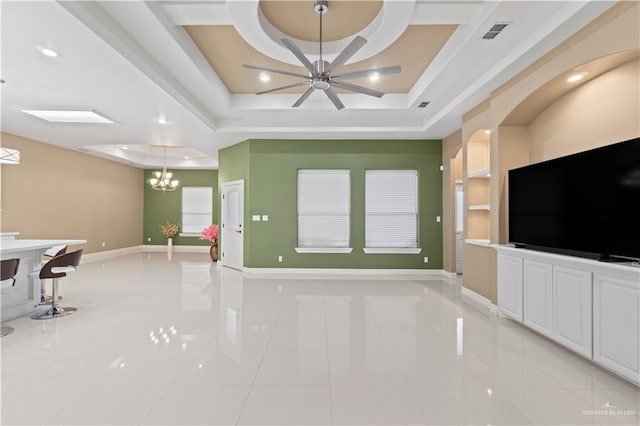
pixel 183 341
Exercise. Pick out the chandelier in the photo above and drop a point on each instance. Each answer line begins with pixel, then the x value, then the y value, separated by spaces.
pixel 162 180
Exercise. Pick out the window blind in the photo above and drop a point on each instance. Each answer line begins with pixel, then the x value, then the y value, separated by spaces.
pixel 323 208
pixel 391 208
pixel 197 209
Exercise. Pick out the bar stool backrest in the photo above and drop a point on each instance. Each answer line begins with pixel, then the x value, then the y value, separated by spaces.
pixel 9 269
pixel 67 259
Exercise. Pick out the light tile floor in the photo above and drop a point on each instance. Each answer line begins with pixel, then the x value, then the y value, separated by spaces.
pixel 184 341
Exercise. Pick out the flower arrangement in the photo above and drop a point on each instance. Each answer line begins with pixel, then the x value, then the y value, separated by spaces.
pixel 210 233
pixel 170 229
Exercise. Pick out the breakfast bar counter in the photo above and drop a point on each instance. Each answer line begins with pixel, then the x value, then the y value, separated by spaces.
pixel 25 295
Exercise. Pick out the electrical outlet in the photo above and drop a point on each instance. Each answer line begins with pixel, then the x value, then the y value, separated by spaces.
pixel 149 239
pixel 426 259
pixel 265 218
pixel 255 218
pixel 279 258
pixel 104 244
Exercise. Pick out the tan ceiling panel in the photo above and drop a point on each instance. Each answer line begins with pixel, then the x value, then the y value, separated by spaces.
pixel 297 19
pixel 226 51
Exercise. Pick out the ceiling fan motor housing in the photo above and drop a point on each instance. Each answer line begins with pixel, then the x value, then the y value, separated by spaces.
pixel 321 6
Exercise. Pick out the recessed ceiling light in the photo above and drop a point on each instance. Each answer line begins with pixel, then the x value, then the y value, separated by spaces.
pixel 68 116
pixel 162 120
pixel 47 52
pixel 575 77
pixel 264 77
pixel 374 76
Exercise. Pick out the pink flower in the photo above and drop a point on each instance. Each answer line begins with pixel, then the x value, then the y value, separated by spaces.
pixel 210 233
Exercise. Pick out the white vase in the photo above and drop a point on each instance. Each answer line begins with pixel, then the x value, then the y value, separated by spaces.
pixel 169 245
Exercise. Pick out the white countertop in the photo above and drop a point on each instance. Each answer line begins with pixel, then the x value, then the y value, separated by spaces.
pixel 12 246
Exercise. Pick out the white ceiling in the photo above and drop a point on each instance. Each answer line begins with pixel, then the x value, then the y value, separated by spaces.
pixel 134 63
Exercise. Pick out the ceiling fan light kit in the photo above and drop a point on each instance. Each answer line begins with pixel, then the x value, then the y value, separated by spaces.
pixel 321 75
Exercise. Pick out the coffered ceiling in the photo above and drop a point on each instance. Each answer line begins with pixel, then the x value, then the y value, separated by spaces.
pixel 170 72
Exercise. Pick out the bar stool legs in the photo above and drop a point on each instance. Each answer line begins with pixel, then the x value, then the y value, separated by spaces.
pixel 55 311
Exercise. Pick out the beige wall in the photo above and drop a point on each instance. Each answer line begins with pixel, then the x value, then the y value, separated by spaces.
pixel 451 148
pixel 59 193
pixel 479 270
pixel 600 112
pixel 512 152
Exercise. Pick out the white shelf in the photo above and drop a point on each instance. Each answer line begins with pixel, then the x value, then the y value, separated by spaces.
pixel 477 242
pixel 485 207
pixel 482 174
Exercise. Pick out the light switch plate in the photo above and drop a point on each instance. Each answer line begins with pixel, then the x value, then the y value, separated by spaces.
pixel 438 219
pixel 265 218
pixel 255 218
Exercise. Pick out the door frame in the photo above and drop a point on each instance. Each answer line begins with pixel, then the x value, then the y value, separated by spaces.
pixel 223 218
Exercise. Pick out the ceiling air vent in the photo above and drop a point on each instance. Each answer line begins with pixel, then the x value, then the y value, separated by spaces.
pixel 494 31
pixel 423 104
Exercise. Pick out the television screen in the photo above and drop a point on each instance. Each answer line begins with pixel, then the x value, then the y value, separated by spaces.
pixel 586 204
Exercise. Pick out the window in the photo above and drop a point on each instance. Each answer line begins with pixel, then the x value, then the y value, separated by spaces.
pixel 391 211
pixel 323 211
pixel 197 210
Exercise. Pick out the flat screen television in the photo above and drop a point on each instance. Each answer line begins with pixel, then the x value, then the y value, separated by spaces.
pixel 585 204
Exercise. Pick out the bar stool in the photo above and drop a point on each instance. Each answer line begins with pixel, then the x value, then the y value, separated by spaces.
pixel 54 251
pixel 56 268
pixel 8 271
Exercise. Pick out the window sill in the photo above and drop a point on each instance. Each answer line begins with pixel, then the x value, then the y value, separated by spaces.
pixel 189 234
pixel 392 250
pixel 324 249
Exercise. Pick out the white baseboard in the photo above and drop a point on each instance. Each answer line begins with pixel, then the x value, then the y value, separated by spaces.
pixel 108 254
pixel 176 249
pixel 480 299
pixel 386 273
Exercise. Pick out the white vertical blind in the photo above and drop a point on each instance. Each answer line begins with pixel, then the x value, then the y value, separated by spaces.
pixel 197 209
pixel 391 208
pixel 323 208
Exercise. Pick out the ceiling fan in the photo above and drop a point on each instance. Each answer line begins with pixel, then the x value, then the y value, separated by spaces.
pixel 321 75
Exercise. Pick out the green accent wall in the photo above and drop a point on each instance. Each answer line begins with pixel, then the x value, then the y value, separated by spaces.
pixel 160 207
pixel 270 167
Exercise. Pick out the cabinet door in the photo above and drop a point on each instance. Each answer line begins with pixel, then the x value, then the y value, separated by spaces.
pixel 538 278
pixel 616 325
pixel 510 286
pixel 572 309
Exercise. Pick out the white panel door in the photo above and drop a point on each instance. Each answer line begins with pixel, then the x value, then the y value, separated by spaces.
pixel 538 279
pixel 510 286
pixel 572 309
pixel 616 325
pixel 232 220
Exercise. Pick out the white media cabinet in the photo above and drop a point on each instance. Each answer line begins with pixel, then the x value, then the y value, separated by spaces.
pixel 590 307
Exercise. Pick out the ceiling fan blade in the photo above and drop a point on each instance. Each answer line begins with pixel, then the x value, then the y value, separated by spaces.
pixel 347 53
pixel 359 89
pixel 304 97
pixel 253 67
pixel 367 73
pixel 298 54
pixel 334 98
pixel 304 83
